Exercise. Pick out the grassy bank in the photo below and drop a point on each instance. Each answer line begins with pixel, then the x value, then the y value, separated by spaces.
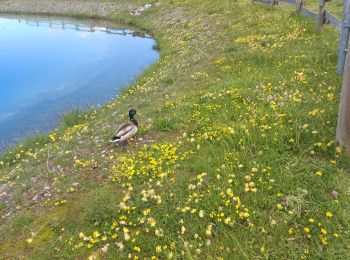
pixel 334 6
pixel 234 158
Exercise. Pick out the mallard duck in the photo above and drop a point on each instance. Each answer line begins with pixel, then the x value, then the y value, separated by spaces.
pixel 127 130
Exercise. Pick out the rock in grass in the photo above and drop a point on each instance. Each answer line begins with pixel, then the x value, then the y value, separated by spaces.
pixel 334 194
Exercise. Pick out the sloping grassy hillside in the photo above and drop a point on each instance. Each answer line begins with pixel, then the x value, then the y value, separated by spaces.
pixel 235 157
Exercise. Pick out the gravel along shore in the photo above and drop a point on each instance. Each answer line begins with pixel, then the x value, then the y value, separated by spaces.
pixel 101 9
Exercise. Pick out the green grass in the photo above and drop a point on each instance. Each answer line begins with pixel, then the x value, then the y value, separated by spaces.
pixel 28 144
pixel 333 6
pixel 234 158
pixel 73 118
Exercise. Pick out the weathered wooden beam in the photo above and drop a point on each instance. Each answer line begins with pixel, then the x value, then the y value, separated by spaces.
pixel 288 1
pixel 298 5
pixel 330 18
pixel 343 123
pixel 273 3
pixel 309 13
pixel 344 37
pixel 321 15
pixel 264 1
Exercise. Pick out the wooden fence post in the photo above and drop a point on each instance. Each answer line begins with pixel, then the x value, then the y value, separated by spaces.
pixel 343 123
pixel 321 15
pixel 344 36
pixel 299 4
pixel 273 3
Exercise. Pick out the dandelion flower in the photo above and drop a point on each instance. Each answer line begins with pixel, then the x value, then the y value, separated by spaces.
pixel 183 230
pixel 208 230
pixel 318 173
pixel 201 213
pixel 279 206
pixel 329 214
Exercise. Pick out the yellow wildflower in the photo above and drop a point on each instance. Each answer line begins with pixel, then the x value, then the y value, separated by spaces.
pixel 279 206
pixel 183 230
pixel 208 230
pixel 329 214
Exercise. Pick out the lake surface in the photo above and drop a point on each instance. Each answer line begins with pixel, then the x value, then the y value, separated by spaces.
pixel 50 66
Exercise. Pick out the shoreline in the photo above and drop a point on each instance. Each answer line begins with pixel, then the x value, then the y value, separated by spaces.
pixel 18 139
pixel 234 154
pixel 88 8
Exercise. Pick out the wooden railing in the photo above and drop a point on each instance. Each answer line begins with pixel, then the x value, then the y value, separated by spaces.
pixel 324 17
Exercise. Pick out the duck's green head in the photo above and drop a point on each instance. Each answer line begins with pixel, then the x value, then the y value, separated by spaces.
pixel 132 113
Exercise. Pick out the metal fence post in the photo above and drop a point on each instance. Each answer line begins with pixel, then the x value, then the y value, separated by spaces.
pixel 344 37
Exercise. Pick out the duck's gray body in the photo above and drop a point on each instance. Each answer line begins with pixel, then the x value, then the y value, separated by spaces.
pixel 126 131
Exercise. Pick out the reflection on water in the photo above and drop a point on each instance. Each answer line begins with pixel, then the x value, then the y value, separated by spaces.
pixel 50 66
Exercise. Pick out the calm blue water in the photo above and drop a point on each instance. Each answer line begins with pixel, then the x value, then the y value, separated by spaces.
pixel 45 71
